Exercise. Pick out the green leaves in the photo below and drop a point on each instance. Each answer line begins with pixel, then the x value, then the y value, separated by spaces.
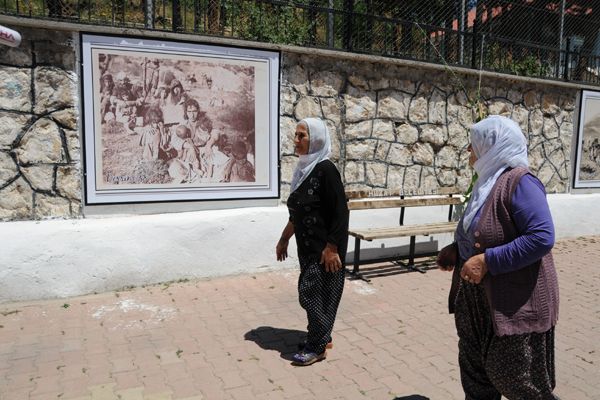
pixel 470 188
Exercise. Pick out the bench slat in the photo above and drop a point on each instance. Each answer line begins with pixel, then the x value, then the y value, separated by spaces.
pixel 364 204
pixel 374 193
pixel 407 230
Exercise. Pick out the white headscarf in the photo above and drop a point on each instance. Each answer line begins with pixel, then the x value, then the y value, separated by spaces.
pixel 498 143
pixel 319 149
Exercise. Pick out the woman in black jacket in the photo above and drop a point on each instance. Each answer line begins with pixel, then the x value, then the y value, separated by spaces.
pixel 319 220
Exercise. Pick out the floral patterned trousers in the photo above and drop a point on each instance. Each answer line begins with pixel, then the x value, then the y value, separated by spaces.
pixel 517 367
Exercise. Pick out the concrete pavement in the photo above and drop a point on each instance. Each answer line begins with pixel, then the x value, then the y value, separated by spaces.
pixel 232 338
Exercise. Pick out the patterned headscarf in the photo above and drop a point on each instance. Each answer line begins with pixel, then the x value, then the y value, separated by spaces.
pixel 319 149
pixel 498 143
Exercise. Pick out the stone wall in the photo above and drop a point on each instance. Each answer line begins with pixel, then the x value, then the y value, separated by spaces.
pixel 393 126
pixel 40 168
pixel 407 128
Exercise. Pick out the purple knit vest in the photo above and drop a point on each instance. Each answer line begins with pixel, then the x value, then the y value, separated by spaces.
pixel 525 300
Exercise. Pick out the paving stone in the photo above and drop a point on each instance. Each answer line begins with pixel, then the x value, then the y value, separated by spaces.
pixel 232 338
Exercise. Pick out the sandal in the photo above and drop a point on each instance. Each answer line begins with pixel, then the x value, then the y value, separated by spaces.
pixel 305 358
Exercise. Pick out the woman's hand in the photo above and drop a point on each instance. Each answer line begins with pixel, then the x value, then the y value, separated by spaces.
pixel 330 258
pixel 281 249
pixel 474 269
pixel 446 259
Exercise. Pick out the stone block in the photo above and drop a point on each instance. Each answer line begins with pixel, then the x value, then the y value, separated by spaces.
pixel 361 130
pixel 361 150
pixel 550 104
pixel 400 154
pixel 406 133
pixel 437 108
pixel 458 136
pixel 15 89
pixel 17 56
pixel 376 174
pixel 11 125
pixel 16 201
pixel 288 163
pixel 550 128
pixel 434 134
pixel 41 177
pixel 73 145
pixel 55 89
pixel 359 108
pixel 297 77
pixel 395 177
pixel 417 111
pixel 447 158
pixel 382 151
pixel 422 154
pixel 41 144
pixel 325 84
pixel 384 130
pixel 67 118
pixel 412 178
pixel 287 98
pixel 354 172
pixel 308 107
pixel 68 182
pixel 8 168
pixel 332 109
pixel 393 105
pixel 500 107
pixel 51 207
pixel 287 130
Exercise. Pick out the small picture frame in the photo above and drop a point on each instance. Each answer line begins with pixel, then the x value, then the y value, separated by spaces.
pixel 176 121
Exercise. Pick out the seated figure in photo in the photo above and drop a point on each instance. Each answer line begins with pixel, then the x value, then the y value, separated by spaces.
pixel 151 135
pixel 239 169
pixel 203 134
pixel 186 167
pixel 125 106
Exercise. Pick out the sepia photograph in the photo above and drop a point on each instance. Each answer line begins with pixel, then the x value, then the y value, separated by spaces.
pixel 587 173
pixel 178 121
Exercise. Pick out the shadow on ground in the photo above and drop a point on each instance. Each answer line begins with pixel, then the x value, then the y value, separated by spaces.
pixel 285 341
pixel 412 397
pixel 369 272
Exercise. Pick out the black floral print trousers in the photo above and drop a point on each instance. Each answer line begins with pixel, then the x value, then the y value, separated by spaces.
pixel 517 367
pixel 320 293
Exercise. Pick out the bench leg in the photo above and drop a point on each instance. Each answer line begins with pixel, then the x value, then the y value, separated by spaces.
pixel 411 256
pixel 356 256
pixel 355 269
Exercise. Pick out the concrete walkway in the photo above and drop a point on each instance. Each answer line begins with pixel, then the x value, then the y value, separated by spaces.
pixel 232 338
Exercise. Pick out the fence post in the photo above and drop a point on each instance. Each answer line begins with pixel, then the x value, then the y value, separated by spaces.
pixel 463 7
pixel 149 14
pixel 567 60
pixel 176 17
pixel 476 23
pixel 562 24
pixel 349 16
pixel 330 32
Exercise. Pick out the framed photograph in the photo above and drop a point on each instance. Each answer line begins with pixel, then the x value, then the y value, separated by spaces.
pixel 587 167
pixel 173 121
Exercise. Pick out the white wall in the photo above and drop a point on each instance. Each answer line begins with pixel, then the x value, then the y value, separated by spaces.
pixel 71 257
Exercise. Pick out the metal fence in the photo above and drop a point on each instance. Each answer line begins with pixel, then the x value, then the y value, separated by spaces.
pixel 554 39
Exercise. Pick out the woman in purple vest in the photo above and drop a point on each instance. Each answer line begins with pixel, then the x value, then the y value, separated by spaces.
pixel 504 292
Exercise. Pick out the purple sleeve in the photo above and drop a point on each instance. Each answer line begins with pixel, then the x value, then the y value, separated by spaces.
pixel 535 230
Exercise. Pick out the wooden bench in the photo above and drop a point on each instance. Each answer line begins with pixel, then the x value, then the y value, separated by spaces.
pixel 385 198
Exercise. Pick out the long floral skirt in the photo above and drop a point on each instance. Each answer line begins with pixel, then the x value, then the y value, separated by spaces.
pixel 517 367
pixel 320 293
